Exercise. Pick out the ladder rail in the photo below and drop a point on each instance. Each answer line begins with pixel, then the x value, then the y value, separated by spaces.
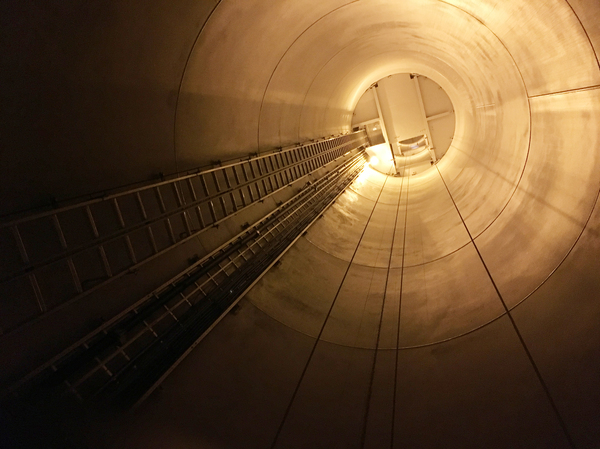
pixel 233 198
pixel 244 253
pixel 280 225
pixel 165 215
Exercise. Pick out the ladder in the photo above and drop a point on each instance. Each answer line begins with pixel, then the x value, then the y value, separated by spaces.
pixel 129 355
pixel 53 258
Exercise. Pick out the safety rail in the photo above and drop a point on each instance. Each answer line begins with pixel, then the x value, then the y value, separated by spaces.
pixel 53 258
pixel 126 357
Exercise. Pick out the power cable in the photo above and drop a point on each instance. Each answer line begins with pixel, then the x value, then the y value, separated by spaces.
pixel 395 392
pixel 387 277
pixel 312 352
pixel 514 324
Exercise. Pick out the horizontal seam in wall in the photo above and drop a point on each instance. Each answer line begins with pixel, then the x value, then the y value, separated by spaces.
pixel 568 91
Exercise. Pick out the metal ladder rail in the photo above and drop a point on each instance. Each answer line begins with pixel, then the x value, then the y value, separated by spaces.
pixel 100 246
pixel 171 310
pixel 182 207
pixel 138 394
pixel 263 236
pixel 219 255
pixel 177 342
pixel 103 329
pixel 131 252
pixel 196 173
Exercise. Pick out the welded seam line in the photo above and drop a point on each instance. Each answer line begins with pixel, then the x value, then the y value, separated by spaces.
pixel 597 194
pixel 385 289
pixel 463 10
pixel 567 91
pixel 318 246
pixel 586 33
pixel 187 62
pixel 566 255
pixel 530 131
pixel 312 352
pixel 514 324
pixel 395 392
pixel 262 101
pixel 315 78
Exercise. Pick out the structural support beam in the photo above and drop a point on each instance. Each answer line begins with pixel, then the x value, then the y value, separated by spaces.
pixel 415 79
pixel 383 127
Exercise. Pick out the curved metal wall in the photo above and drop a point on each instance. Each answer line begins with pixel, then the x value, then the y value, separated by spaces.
pixel 476 281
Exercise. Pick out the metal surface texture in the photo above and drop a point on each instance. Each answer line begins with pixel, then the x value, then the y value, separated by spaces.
pixel 455 308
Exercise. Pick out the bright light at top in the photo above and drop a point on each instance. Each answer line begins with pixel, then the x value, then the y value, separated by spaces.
pixel 373 160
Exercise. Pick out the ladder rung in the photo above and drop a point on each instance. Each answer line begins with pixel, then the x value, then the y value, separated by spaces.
pixel 200 217
pixel 159 198
pixel 20 244
pixel 105 263
pixel 204 185
pixel 118 212
pixel 223 206
pixel 37 292
pixel 216 180
pixel 170 230
pixel 227 180
pixel 140 203
pixel 191 189
pixel 92 221
pixel 59 232
pixel 213 214
pixel 178 195
pixel 236 175
pixel 150 328
pixel 233 201
pixel 170 312
pixel 152 239
pixel 103 366
pixel 74 275
pixel 130 249
pixel 244 203
pixel 186 223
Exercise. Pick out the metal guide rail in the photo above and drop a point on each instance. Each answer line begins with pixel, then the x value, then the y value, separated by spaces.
pixel 56 257
pixel 124 359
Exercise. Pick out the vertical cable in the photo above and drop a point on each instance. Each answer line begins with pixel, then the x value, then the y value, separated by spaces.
pixel 387 277
pixel 395 392
pixel 312 352
pixel 514 324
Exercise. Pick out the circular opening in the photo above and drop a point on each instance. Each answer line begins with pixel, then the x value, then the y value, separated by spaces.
pixel 409 120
